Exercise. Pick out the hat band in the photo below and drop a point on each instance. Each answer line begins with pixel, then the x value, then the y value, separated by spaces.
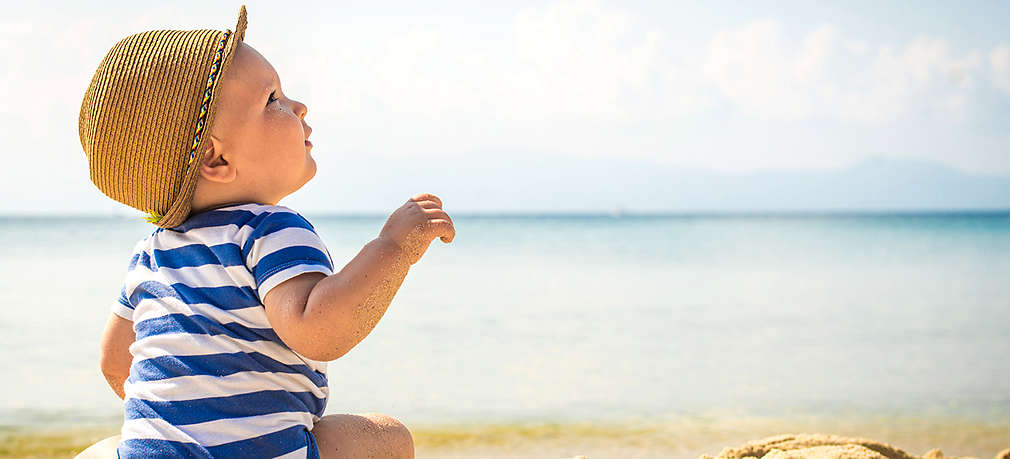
pixel 153 215
pixel 207 93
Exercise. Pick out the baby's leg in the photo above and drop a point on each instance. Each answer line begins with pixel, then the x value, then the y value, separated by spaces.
pixel 362 435
pixel 105 449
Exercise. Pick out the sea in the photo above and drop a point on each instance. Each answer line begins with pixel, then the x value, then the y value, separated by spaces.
pixel 591 318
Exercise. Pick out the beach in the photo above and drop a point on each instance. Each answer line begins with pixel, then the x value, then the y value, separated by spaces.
pixel 704 230
pixel 686 437
pixel 672 336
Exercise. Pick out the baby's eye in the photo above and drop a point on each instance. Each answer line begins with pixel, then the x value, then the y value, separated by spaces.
pixel 271 99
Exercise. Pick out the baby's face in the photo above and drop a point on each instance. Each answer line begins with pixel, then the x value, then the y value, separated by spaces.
pixel 259 132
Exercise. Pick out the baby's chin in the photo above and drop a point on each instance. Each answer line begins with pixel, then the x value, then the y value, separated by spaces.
pixel 310 165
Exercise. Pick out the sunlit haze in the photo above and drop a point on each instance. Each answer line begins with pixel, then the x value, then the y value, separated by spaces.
pixel 529 106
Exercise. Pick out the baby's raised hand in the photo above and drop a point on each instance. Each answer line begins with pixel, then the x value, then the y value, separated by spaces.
pixel 416 223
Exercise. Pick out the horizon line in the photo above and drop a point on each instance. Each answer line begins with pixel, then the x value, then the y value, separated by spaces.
pixel 617 213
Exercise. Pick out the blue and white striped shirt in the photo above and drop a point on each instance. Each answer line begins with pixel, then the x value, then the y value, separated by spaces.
pixel 210 377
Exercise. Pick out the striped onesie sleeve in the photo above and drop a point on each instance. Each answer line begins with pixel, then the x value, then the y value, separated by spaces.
pixel 283 246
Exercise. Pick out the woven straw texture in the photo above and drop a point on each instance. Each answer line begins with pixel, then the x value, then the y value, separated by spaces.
pixel 140 115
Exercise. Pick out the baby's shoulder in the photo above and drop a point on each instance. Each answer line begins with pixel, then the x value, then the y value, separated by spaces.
pixel 275 227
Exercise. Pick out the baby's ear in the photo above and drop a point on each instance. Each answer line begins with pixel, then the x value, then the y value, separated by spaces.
pixel 214 166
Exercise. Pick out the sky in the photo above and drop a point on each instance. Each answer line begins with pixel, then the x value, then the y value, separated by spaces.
pixel 410 97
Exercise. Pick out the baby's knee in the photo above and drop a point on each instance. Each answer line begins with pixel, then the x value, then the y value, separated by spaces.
pixel 363 435
pixel 397 433
pixel 387 422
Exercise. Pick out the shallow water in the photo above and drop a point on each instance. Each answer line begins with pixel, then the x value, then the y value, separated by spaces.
pixel 563 319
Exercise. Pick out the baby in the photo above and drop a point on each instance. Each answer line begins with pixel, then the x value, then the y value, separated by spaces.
pixel 230 309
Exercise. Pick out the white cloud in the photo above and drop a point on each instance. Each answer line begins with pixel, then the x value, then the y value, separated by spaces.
pixel 750 67
pixel 572 60
pixel 999 61
pixel 584 61
pixel 834 76
pixel 579 59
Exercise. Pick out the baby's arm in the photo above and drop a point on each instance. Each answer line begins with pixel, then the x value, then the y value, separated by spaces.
pixel 116 357
pixel 322 317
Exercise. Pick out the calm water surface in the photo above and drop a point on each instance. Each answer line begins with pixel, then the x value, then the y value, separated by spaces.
pixel 585 318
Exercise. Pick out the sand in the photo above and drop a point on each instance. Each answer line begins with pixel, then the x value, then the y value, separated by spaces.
pixel 693 438
pixel 826 446
pixel 676 437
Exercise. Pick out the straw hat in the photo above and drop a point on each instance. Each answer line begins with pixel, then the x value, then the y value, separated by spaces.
pixel 144 116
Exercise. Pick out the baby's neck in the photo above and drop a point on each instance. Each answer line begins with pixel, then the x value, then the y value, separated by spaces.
pixel 205 199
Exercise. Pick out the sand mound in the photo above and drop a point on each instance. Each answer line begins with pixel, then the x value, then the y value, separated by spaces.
pixel 825 446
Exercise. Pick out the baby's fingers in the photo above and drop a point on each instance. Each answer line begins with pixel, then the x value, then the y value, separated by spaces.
pixel 439 215
pixel 443 229
pixel 426 197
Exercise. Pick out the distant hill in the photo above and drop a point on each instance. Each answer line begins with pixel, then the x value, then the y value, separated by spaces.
pixel 511 183
pixel 549 184
pixel 875 184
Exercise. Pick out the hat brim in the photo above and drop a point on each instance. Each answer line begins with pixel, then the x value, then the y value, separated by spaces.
pixel 182 205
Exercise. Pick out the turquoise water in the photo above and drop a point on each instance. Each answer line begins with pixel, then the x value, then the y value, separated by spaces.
pixel 590 318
